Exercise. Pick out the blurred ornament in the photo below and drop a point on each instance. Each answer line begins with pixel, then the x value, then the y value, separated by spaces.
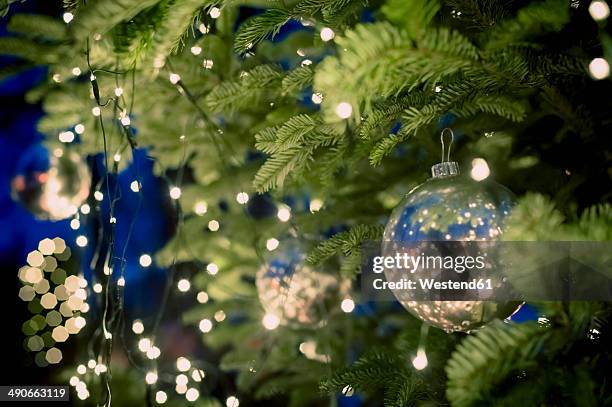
pixel 292 292
pixel 51 187
pixel 448 208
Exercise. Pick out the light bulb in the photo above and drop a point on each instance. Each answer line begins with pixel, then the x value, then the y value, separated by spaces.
pixel 599 68
pixel 200 208
pixel 599 10
pixel 183 285
pixel 137 326
pixel 212 269
pixel 480 169
pixel 175 192
pixel 347 305
pixel 270 321
pixel 145 260
pixel 272 244
pixel 151 378
pixel 214 12
pixel 205 325
pixel 183 364
pixel 284 213
pixel 242 198
pixel 327 34
pixel 174 78
pixel 67 17
pixel 161 397
pixel 344 110
pixel 420 361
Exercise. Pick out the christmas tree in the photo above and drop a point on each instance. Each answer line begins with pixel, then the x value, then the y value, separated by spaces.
pixel 302 124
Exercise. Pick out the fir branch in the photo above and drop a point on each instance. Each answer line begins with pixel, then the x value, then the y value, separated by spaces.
pixel 257 28
pixel 297 79
pixel 347 243
pixel 102 15
pixel 246 91
pixel 532 20
pixel 178 18
pixel 37 26
pixel 483 360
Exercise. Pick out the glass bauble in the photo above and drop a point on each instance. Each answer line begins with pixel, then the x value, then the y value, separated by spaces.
pixel 51 188
pixel 448 208
pixel 295 292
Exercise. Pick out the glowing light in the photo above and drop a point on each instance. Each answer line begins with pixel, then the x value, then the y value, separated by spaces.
pixel 74 380
pixel 480 169
pixel 85 209
pixel 153 353
pixel 272 244
pixel 76 71
pixel 316 205
pixel 81 241
pixel 196 50
pixel 181 380
pixel 327 34
pixel 232 401
pixel 174 78
pixel 317 98
pixel 284 213
pixel 145 260
pixel 91 363
pixel 599 68
pixel 117 157
pixel 81 369
pixel 183 285
pixel 66 137
pixel 121 282
pixel 135 186
pixel 220 316
pixel 203 28
pixel 46 246
pixel 599 10
pixel 151 378
pixel 118 92
pixel 57 78
pixel 137 327
pixel 242 198
pixel 270 321
pixel 212 269
pixel 197 375
pixel 35 258
pixel 183 364
pixel 97 288
pixel 213 225
pixel 200 208
pixel 96 111
pixel 175 192
pixel 347 305
pixel 125 120
pixel 344 110
pixel 144 344
pixel 192 394
pixel 202 297
pixel 58 152
pixel 161 397
pixel 214 12
pixel 98 196
pixel 205 325
pixel 208 63
pixel 67 17
pixel 420 361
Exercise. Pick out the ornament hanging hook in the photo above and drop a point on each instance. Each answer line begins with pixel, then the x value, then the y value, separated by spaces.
pixel 450 143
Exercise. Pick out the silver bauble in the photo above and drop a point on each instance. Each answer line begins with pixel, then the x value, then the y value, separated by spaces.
pixel 56 190
pixel 293 291
pixel 448 208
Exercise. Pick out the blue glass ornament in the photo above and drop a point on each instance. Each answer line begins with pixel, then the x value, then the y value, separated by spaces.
pixel 51 187
pixel 448 208
pixel 293 291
